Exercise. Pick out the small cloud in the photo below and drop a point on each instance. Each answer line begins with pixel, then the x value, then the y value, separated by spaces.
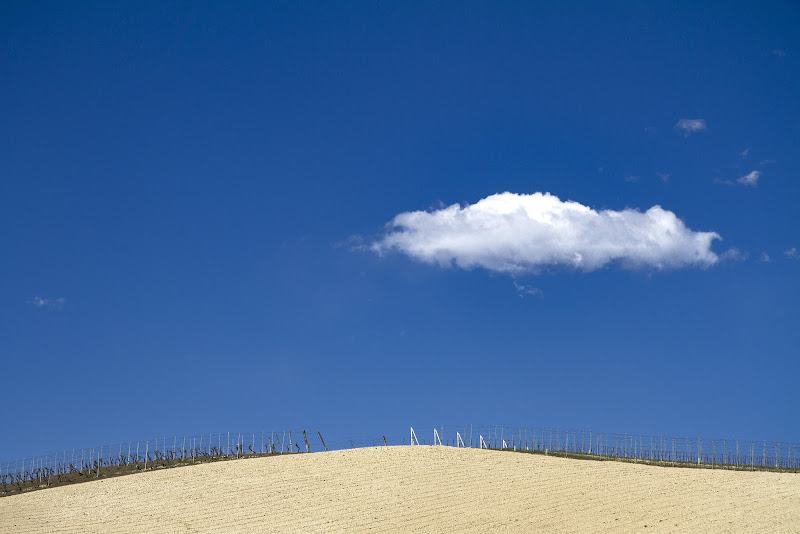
pixel 743 154
pixel 764 258
pixel 631 179
pixel 690 126
pixel 766 162
pixel 523 290
pixel 779 53
pixel 792 253
pixel 734 254
pixel 351 243
pixel 750 178
pixel 663 176
pixel 528 233
pixel 650 130
pixel 723 182
pixel 52 304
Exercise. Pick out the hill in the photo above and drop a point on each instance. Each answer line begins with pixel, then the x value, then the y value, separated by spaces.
pixel 414 489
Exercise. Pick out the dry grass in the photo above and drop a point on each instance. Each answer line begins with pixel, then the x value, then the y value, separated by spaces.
pixel 414 489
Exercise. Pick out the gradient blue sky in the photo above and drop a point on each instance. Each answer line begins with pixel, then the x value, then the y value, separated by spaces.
pixel 189 193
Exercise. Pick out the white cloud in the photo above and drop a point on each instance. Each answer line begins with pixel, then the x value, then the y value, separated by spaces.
pixel 765 258
pixel 743 154
pixel 40 302
pixel 690 126
pixel 779 53
pixel 792 253
pixel 750 178
pixel 631 179
pixel 663 176
pixel 513 233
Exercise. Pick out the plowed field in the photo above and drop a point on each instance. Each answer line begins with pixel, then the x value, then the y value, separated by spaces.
pixel 414 489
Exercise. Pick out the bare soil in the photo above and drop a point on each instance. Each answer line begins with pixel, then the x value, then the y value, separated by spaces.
pixel 414 489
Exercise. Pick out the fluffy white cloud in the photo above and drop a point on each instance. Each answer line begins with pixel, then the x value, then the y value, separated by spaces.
pixel 513 233
pixel 750 178
pixel 690 126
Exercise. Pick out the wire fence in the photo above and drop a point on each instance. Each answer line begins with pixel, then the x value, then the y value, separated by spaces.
pixel 118 458
pixel 663 450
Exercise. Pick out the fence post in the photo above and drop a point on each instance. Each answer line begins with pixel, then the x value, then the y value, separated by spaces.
pixel 146 451
pixel 713 454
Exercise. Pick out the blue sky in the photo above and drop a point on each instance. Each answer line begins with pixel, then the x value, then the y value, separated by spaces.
pixel 198 224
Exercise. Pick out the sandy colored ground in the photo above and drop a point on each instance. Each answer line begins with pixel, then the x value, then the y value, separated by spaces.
pixel 414 489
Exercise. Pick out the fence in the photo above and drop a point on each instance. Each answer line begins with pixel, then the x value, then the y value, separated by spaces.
pixel 77 465
pixel 112 459
pixel 663 450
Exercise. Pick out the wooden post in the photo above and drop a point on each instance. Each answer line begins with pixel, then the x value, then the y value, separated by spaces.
pixel 326 448
pixel 306 440
pixel 384 442
pixel 290 441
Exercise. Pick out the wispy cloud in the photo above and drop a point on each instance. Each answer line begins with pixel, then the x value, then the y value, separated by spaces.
pixel 764 258
pixel 690 126
pixel 792 253
pixel 518 233
pixel 663 176
pixel 766 162
pixel 734 254
pixel 631 179
pixel 750 178
pixel 53 304
pixel 523 290
pixel 779 53
pixel 743 154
